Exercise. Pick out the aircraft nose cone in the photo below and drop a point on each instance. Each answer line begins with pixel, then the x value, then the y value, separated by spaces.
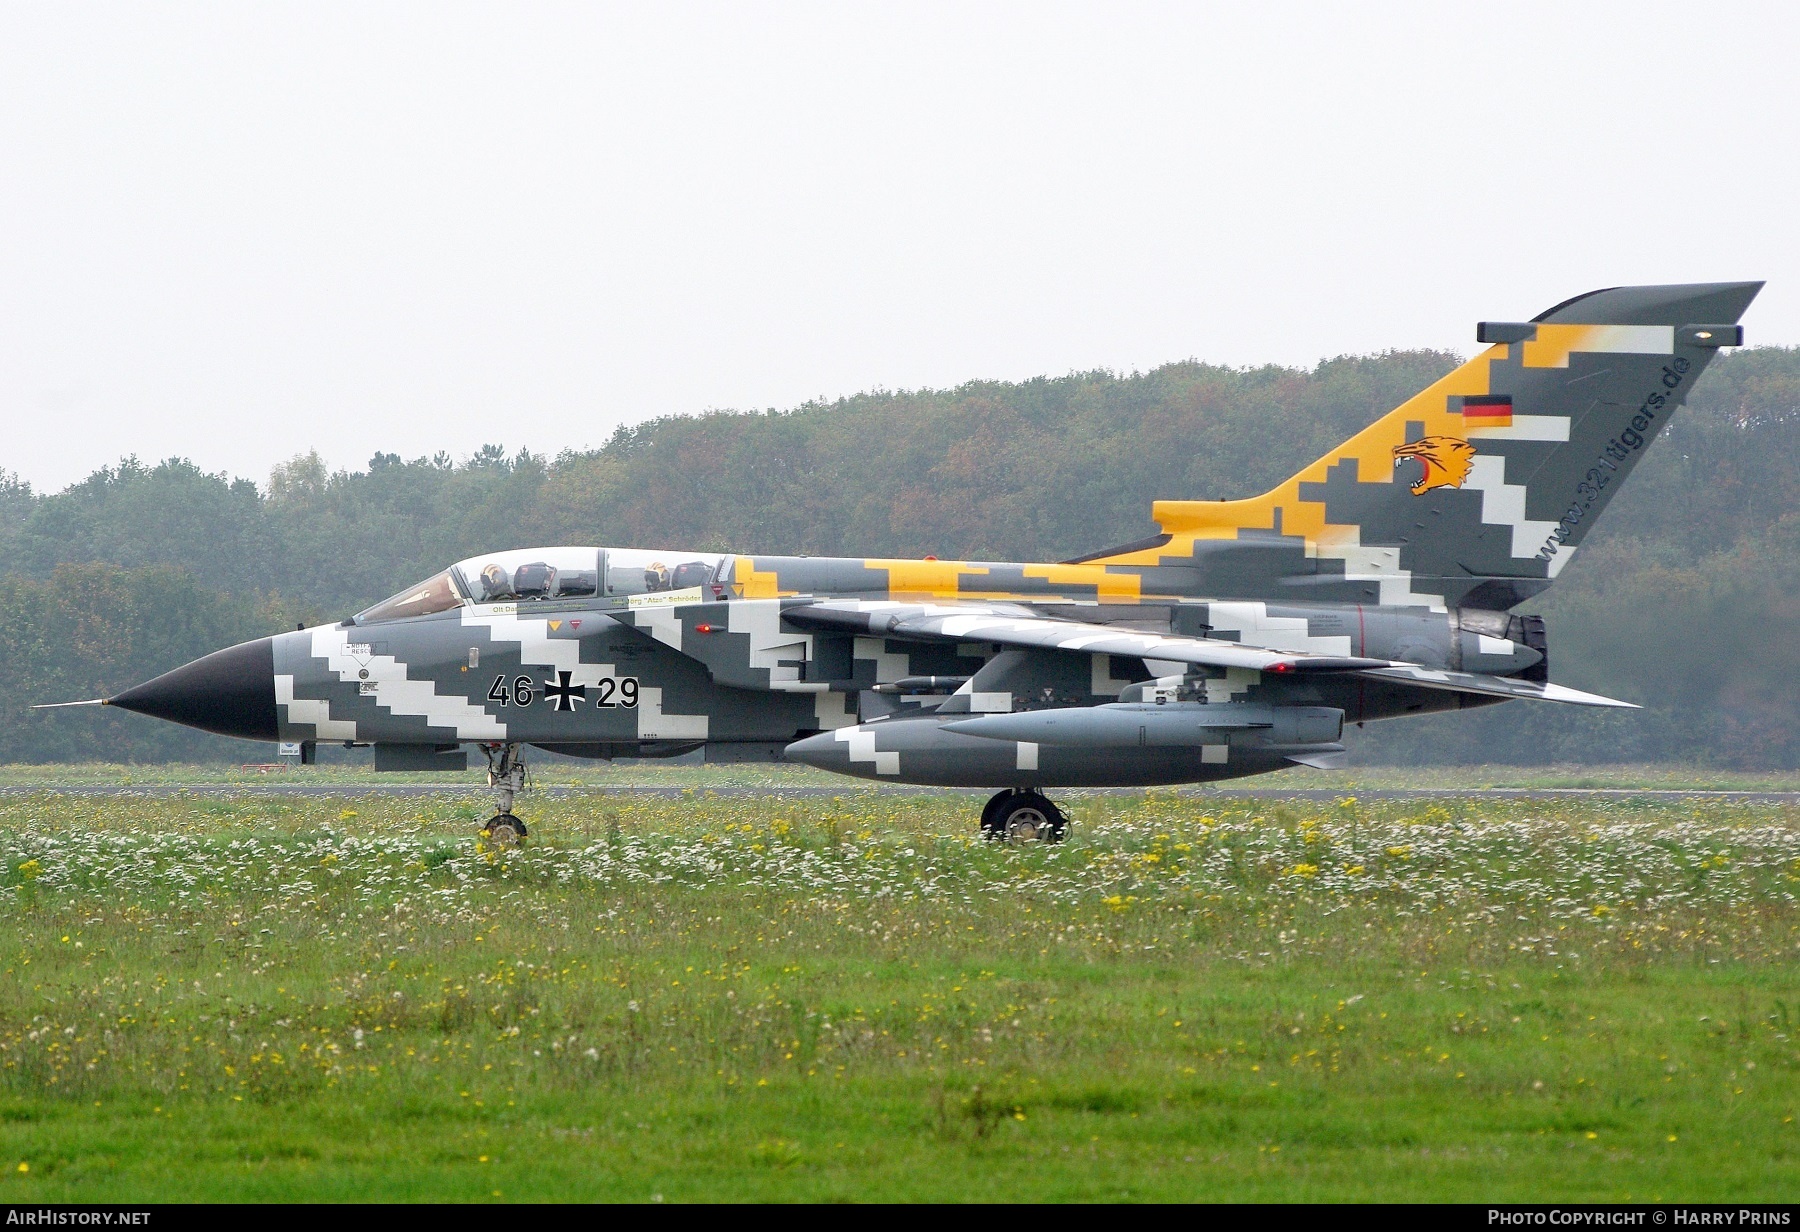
pixel 230 692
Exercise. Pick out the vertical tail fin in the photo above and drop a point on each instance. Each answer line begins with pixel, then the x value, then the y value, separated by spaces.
pixel 1478 490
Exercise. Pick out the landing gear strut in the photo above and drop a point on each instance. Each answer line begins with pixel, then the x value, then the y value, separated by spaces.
pixel 506 775
pixel 1023 816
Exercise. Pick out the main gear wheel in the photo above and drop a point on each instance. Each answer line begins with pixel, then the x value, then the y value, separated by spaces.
pixel 1023 816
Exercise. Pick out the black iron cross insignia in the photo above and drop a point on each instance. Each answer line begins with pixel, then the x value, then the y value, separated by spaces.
pixel 564 694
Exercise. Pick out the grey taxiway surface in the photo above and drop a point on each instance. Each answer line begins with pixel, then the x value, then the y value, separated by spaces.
pixel 327 790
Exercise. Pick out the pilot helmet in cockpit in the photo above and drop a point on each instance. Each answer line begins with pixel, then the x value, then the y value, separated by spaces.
pixel 496 583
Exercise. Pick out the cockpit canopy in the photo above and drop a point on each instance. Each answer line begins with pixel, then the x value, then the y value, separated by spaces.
pixel 528 575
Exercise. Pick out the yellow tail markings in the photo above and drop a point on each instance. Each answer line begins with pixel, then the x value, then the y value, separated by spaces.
pixel 1372 449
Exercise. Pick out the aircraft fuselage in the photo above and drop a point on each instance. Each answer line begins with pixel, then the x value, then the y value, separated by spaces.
pixel 657 672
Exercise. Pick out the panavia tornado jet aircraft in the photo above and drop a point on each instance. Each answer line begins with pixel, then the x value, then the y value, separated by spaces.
pixel 1377 583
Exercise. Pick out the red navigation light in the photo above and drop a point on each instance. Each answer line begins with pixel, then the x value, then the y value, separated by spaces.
pixel 703 628
pixel 1279 667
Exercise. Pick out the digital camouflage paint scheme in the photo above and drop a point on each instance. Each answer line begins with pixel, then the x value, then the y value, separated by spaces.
pixel 1376 583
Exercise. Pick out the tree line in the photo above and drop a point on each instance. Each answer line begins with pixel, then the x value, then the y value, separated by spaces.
pixel 1684 598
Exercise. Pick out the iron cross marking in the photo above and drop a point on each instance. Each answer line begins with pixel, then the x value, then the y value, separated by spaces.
pixel 564 694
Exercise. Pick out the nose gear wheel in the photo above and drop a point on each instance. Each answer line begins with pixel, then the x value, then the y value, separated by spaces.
pixel 507 777
pixel 504 830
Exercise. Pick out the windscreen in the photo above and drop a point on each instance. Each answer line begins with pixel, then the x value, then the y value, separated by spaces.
pixel 434 594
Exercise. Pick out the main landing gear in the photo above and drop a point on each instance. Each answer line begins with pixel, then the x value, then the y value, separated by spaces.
pixel 1023 816
pixel 506 775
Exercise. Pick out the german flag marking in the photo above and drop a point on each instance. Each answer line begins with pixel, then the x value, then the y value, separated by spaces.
pixel 1487 411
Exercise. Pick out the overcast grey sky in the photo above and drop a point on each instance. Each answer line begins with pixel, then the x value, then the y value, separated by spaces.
pixel 236 232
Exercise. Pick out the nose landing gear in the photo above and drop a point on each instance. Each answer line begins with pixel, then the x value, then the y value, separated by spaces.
pixel 1023 816
pixel 506 776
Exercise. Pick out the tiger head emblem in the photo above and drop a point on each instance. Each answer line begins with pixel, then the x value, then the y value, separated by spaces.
pixel 1445 460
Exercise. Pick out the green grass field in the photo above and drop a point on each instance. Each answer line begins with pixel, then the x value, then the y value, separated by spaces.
pixel 852 998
